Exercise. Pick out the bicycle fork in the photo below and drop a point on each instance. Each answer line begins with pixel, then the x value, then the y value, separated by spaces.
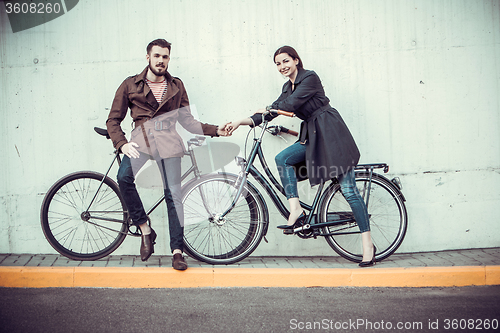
pixel 239 184
pixel 245 170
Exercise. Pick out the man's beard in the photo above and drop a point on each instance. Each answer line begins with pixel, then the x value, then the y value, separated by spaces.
pixel 155 71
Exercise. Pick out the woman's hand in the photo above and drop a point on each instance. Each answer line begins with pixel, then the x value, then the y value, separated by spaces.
pixel 232 126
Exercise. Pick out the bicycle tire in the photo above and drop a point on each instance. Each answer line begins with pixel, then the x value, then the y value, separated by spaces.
pixel 386 210
pixel 66 224
pixel 228 240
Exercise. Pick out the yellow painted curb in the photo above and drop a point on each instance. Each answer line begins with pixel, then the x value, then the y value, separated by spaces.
pixel 421 277
pixel 143 277
pixel 36 277
pixel 492 275
pixel 282 277
pixel 159 277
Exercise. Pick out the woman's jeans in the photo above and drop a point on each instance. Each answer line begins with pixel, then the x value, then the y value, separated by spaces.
pixel 296 153
pixel 170 170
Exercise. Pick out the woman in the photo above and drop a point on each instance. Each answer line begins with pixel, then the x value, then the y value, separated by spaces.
pixel 325 145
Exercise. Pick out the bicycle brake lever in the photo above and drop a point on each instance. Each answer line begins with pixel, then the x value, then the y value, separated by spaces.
pixel 282 137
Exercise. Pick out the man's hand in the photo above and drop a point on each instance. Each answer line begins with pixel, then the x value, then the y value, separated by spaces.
pixel 129 150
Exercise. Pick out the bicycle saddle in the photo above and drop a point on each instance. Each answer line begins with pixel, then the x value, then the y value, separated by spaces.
pixel 102 131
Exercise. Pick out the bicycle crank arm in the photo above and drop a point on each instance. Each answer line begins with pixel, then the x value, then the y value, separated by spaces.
pixel 298 229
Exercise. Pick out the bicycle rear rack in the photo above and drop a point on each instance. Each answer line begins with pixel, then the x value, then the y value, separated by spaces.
pixel 372 166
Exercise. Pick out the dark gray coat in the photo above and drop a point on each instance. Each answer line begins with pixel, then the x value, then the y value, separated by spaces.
pixel 331 150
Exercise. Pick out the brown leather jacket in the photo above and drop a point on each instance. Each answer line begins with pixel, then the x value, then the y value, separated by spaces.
pixel 135 94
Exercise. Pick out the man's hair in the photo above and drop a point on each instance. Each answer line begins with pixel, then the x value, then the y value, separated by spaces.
pixel 291 52
pixel 160 43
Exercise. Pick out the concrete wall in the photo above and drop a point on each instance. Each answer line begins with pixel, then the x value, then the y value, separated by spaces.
pixel 417 82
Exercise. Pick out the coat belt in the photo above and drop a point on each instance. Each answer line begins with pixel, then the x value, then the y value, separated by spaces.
pixel 159 125
pixel 304 125
pixel 139 121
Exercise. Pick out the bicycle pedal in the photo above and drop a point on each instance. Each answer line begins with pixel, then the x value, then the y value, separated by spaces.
pixel 288 232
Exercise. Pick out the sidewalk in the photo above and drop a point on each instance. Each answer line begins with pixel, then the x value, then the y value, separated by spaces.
pixel 442 269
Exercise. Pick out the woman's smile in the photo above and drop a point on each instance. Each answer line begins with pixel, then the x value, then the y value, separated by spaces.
pixel 287 66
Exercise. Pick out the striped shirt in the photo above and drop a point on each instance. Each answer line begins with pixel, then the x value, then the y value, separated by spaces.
pixel 158 88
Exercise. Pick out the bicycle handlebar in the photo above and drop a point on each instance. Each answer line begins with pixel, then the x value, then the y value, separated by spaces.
pixel 275 130
pixel 284 113
pixel 282 128
pixel 289 131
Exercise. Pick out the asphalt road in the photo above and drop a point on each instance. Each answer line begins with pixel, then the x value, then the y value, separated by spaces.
pixel 466 309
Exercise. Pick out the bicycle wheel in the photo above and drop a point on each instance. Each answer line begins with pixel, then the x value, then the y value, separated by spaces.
pixel 386 210
pixel 76 230
pixel 222 240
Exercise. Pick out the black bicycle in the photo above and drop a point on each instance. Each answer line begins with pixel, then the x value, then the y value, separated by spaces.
pixel 226 216
pixel 84 217
pixel 83 214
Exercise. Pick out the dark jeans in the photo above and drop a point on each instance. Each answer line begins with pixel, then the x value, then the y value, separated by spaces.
pixel 285 160
pixel 296 153
pixel 170 170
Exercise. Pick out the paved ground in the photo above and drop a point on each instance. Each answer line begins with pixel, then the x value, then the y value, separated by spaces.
pixel 477 267
pixel 475 257
pixel 259 310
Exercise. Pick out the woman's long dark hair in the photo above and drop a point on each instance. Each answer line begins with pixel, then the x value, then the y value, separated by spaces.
pixel 291 52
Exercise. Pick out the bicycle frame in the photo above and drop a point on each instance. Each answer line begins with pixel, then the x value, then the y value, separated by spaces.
pixel 311 221
pixel 193 169
pixel 249 168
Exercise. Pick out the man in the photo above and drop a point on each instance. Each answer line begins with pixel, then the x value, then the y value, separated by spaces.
pixel 157 101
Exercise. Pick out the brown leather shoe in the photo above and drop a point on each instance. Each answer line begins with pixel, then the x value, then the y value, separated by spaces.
pixel 147 245
pixel 178 262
